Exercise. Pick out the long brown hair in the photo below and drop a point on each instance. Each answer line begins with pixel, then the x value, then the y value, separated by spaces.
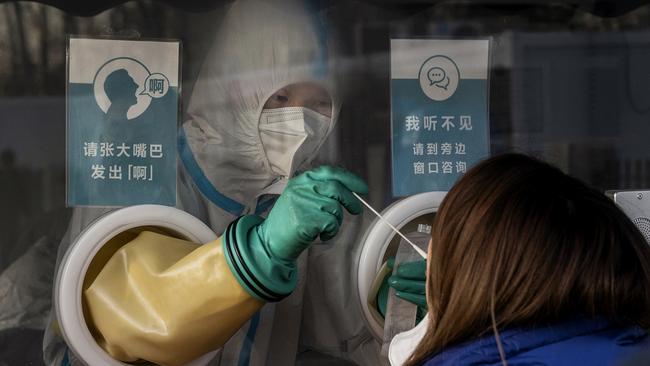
pixel 516 242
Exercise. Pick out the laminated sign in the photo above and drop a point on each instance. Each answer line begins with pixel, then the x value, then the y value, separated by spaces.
pixel 122 119
pixel 439 111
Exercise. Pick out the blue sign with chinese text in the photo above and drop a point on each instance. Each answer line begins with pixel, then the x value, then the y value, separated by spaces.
pixel 439 111
pixel 122 122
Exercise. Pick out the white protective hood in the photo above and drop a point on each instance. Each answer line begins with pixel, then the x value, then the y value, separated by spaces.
pixel 261 47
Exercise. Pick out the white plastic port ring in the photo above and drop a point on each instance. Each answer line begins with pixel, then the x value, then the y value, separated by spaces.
pixel 72 270
pixel 376 240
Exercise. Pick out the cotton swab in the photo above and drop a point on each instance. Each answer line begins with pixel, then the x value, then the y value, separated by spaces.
pixel 417 248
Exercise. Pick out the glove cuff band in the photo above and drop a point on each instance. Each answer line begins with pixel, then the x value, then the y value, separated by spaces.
pixel 251 264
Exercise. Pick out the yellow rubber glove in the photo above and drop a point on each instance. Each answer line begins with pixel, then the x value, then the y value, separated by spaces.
pixel 166 300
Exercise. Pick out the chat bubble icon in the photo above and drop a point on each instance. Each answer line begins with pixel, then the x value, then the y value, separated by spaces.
pixel 436 75
pixel 156 85
pixel 443 84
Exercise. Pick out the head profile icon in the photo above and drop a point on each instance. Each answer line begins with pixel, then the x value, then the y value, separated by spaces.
pixel 120 88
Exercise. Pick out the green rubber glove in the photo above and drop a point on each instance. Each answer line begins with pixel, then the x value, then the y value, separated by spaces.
pixel 262 253
pixel 409 283
pixel 310 207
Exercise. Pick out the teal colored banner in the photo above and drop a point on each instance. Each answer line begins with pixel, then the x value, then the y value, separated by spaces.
pixel 122 129
pixel 439 126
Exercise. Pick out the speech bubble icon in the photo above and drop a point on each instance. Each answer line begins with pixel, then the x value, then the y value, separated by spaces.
pixel 443 84
pixel 436 75
pixel 156 85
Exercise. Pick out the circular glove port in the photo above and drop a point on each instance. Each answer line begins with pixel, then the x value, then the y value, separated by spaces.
pixel 89 253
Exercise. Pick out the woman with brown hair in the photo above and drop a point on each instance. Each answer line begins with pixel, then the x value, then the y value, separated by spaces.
pixel 528 265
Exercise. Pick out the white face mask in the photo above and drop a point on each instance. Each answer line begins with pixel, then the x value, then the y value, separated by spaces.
pixel 403 344
pixel 290 137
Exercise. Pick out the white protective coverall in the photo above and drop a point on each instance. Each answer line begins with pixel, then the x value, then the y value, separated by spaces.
pixel 224 173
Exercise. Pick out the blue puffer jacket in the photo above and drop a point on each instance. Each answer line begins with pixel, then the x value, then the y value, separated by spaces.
pixel 577 342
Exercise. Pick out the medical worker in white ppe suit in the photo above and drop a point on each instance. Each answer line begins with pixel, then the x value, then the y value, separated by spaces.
pixel 264 102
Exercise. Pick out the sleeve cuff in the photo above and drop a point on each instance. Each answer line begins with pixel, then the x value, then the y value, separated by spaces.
pixel 252 265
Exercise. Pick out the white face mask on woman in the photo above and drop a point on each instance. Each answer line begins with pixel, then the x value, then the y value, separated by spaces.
pixel 403 344
pixel 291 136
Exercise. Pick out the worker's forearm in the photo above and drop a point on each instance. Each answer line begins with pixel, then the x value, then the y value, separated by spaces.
pixel 166 301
